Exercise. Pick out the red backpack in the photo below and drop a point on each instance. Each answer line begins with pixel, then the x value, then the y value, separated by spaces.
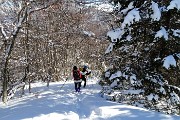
pixel 76 74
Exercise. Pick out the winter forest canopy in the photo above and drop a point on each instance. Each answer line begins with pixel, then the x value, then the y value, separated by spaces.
pixel 133 45
pixel 43 40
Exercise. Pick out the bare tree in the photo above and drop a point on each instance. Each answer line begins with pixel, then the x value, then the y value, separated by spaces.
pixel 52 37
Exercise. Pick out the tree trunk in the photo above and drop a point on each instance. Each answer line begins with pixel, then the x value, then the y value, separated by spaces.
pixel 26 52
pixel 5 71
pixel 4 94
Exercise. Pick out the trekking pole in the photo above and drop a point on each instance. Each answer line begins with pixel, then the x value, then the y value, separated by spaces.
pixel 64 83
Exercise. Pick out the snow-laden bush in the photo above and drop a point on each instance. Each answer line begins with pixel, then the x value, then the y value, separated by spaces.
pixel 152 93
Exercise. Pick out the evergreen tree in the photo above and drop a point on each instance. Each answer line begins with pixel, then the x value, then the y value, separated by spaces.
pixel 147 43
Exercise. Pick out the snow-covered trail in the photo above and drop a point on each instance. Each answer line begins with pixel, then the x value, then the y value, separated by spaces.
pixel 55 104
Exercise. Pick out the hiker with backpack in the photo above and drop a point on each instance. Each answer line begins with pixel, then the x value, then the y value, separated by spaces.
pixel 84 72
pixel 77 78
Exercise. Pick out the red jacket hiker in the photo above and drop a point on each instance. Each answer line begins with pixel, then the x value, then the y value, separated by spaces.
pixel 77 78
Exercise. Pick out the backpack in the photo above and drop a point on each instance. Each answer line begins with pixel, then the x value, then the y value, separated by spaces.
pixel 76 75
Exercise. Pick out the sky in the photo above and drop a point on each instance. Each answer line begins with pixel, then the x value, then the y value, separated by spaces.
pixel 63 103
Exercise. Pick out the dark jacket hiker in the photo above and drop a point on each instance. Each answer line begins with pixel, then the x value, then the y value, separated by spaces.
pixel 77 78
pixel 84 72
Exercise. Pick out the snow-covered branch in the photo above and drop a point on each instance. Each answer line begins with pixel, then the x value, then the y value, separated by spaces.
pixel 3 32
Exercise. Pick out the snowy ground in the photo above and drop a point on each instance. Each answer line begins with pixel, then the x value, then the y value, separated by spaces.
pixel 55 104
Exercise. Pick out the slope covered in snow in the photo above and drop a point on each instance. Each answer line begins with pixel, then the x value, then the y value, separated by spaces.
pixel 55 104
